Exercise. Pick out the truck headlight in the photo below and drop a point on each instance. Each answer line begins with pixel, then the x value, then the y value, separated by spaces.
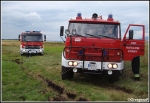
pixel 109 66
pixel 72 63
pixel 115 66
pixel 75 63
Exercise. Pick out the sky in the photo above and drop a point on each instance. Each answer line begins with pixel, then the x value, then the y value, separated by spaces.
pixel 48 16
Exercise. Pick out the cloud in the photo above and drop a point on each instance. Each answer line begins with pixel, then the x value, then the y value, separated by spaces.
pixel 20 19
pixel 48 16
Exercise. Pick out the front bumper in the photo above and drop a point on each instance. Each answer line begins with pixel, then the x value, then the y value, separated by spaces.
pixel 91 66
pixel 32 51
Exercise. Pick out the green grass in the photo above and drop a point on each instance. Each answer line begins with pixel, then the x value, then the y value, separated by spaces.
pixel 24 81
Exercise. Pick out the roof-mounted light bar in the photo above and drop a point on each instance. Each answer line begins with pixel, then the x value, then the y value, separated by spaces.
pixel 36 31
pixel 32 31
pixel 27 31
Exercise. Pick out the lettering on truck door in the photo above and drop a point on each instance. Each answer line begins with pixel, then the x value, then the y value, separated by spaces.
pixel 133 45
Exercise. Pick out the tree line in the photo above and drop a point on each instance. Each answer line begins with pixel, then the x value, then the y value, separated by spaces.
pixel 9 39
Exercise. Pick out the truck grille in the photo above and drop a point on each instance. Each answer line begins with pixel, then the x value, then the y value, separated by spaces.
pixel 93 54
pixel 32 47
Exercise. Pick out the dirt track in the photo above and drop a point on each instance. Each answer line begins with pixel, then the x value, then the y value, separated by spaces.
pixel 62 94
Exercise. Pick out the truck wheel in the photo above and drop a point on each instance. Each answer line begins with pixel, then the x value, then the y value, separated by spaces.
pixel 114 76
pixel 64 74
pixel 67 73
pixel 41 54
pixel 70 74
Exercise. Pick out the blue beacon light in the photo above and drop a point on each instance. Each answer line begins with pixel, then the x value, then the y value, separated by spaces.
pixel 79 15
pixel 110 16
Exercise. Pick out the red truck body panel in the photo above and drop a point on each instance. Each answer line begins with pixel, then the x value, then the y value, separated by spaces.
pixel 129 48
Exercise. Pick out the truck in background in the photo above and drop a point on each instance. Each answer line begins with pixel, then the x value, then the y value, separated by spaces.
pixel 31 42
pixel 94 45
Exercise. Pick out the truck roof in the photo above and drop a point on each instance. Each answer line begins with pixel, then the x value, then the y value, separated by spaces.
pixel 31 32
pixel 95 19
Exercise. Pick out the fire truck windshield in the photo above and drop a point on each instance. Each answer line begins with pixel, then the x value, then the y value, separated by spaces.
pixel 95 30
pixel 32 37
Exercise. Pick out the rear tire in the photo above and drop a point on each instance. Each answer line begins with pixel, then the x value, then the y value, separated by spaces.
pixel 67 73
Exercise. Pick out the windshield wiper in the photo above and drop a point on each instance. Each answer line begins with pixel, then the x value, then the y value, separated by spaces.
pixel 92 35
pixel 107 36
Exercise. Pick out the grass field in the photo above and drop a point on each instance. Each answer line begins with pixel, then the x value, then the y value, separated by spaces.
pixel 38 78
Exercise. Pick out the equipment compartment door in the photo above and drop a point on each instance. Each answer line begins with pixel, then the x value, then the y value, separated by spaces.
pixel 135 46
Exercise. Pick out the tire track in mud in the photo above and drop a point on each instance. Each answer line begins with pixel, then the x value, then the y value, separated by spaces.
pixel 61 91
pixel 16 61
pixel 108 85
pixel 115 87
pixel 71 95
pixel 123 89
pixel 129 91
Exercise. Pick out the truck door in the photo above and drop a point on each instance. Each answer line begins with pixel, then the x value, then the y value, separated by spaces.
pixel 133 43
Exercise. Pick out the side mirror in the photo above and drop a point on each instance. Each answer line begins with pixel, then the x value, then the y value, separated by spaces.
pixel 19 37
pixel 44 37
pixel 61 30
pixel 130 34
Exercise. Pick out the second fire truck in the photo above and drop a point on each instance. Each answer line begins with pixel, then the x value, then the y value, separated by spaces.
pixel 31 42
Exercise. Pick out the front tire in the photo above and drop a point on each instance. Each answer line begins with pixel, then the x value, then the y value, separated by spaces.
pixel 41 54
pixel 67 73
pixel 22 54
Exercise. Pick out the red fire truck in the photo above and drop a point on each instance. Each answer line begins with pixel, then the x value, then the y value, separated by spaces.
pixel 94 45
pixel 31 42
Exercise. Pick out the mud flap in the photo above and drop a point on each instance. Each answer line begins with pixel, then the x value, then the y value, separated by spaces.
pixel 67 73
pixel 136 67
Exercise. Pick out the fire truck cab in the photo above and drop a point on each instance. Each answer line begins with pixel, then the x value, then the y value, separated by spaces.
pixel 31 42
pixel 94 45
